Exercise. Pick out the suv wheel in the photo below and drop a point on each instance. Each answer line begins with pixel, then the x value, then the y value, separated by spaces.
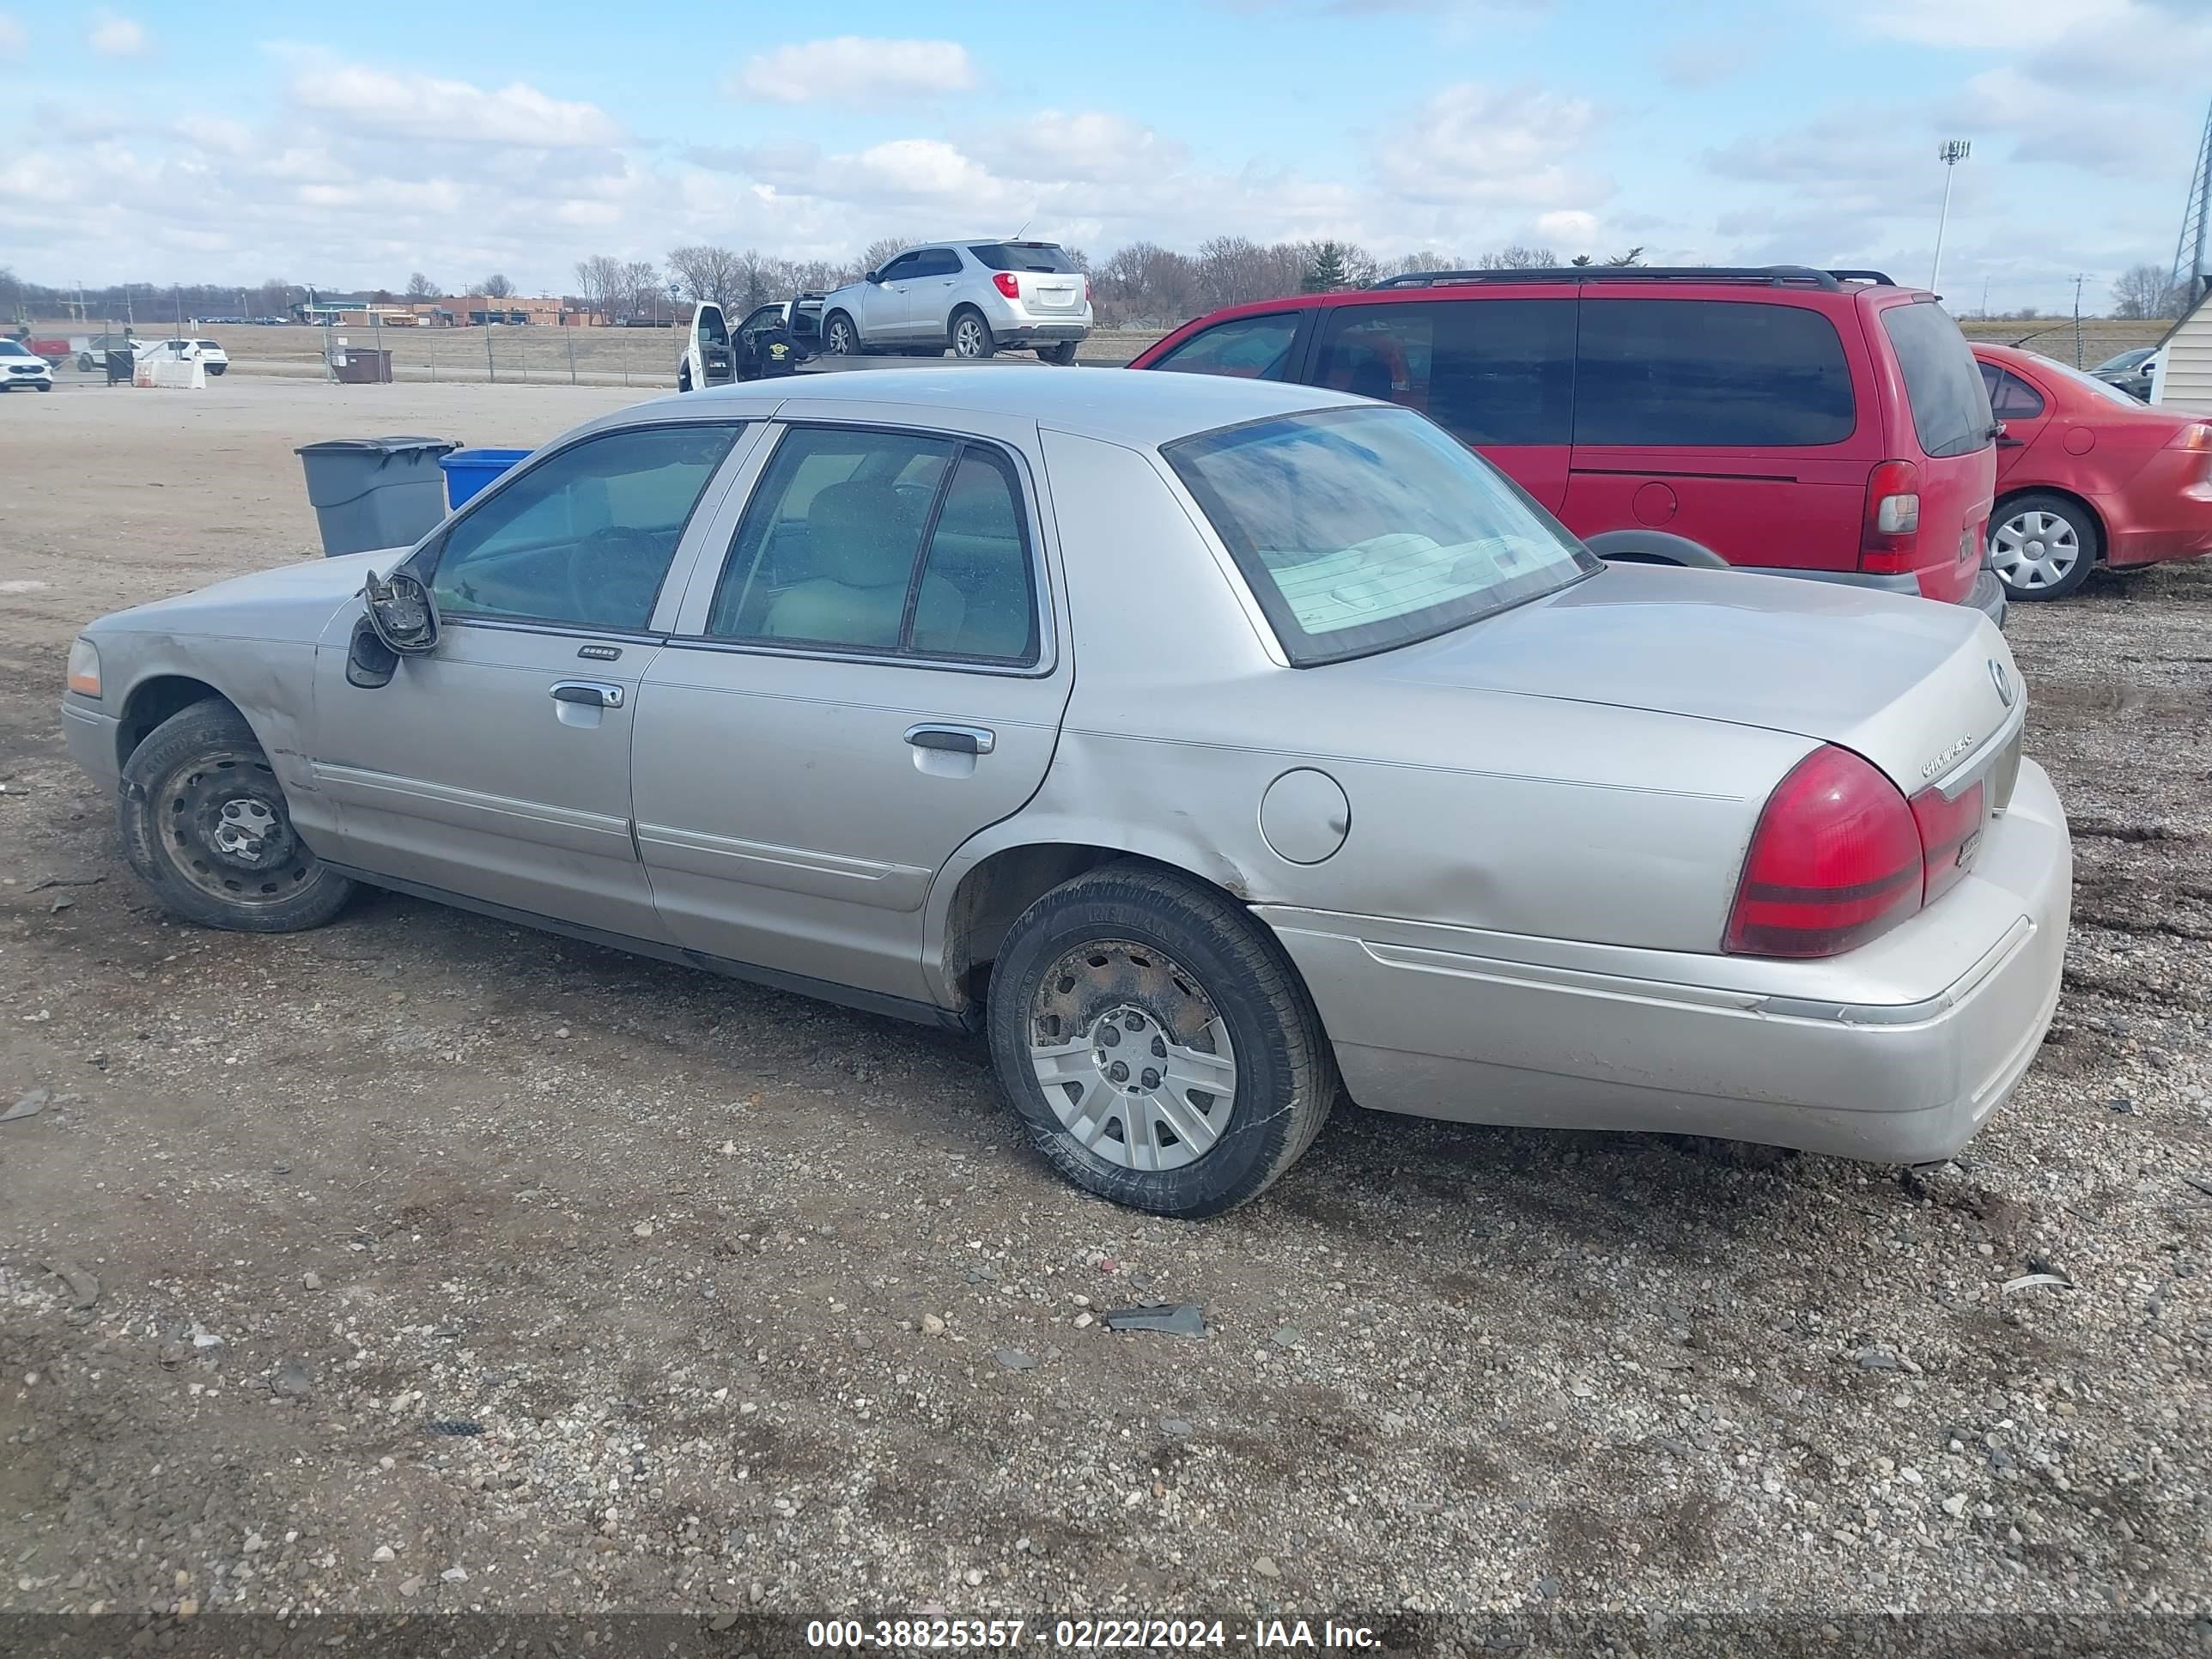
pixel 971 335
pixel 1063 353
pixel 838 339
pixel 1158 1044
pixel 206 826
pixel 2042 546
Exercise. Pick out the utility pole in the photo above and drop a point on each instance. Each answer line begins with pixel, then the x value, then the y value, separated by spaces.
pixel 2078 280
pixel 1985 298
pixel 1953 151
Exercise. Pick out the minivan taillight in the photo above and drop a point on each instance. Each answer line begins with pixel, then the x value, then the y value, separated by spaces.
pixel 1890 542
pixel 1007 284
pixel 1839 856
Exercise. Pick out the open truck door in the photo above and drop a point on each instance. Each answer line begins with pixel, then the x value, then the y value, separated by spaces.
pixel 707 359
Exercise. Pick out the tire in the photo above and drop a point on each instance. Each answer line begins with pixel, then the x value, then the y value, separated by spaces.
pixel 683 378
pixel 1130 955
pixel 2043 546
pixel 839 337
pixel 1063 353
pixel 84 362
pixel 198 795
pixel 45 386
pixel 971 335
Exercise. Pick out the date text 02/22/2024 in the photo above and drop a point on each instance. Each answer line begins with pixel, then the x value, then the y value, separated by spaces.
pixel 1084 1634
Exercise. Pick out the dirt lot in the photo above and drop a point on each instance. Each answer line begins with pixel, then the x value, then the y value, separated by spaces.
pixel 760 1303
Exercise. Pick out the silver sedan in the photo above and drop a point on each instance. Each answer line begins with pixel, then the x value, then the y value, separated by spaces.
pixel 1216 750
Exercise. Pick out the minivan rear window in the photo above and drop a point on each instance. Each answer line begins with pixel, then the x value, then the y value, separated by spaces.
pixel 1950 406
pixel 1730 374
pixel 1022 256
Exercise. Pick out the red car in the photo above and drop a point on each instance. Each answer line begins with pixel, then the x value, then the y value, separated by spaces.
pixel 2087 474
pixel 1801 422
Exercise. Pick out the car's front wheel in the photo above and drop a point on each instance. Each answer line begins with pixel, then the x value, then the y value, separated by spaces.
pixel 971 335
pixel 205 824
pixel 2042 546
pixel 1158 1045
pixel 839 339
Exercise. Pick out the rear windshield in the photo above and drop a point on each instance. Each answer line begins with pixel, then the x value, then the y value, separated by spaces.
pixel 1022 256
pixel 1363 529
pixel 207 345
pixel 1950 405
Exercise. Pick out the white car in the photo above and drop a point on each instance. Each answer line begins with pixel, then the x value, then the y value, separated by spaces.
pixel 207 353
pixel 974 297
pixel 20 366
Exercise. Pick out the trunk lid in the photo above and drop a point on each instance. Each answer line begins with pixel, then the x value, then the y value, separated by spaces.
pixel 1926 692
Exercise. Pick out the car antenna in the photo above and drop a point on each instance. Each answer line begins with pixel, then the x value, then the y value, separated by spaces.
pixel 1017 236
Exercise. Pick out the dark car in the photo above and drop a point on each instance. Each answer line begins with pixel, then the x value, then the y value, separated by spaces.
pixel 1818 423
pixel 2131 371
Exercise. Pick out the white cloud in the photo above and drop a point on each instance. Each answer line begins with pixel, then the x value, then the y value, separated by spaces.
pixel 423 107
pixel 1569 230
pixel 1473 145
pixel 13 35
pixel 1091 144
pixel 1981 25
pixel 117 37
pixel 850 69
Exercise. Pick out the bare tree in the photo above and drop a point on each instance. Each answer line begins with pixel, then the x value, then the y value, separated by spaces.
pixel 2145 291
pixel 712 275
pixel 642 293
pixel 1518 257
pixel 880 253
pixel 420 287
pixel 598 282
pixel 496 286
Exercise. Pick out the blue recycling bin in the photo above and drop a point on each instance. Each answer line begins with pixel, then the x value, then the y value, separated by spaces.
pixel 468 470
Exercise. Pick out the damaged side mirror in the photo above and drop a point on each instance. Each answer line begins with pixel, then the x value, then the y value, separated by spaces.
pixel 399 619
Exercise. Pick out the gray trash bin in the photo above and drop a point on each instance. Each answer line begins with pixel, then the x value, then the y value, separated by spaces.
pixel 369 493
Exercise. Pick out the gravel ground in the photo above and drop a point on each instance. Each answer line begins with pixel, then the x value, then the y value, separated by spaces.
pixel 424 1263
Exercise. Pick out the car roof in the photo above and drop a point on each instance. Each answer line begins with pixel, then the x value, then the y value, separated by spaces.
pixel 1115 405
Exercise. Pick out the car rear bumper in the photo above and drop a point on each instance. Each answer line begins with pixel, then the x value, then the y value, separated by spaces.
pixel 1903 1072
pixel 2164 513
pixel 1012 322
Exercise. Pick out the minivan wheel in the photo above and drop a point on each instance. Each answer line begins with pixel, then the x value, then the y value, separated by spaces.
pixel 971 335
pixel 2042 546
pixel 838 339
pixel 206 826
pixel 1158 1044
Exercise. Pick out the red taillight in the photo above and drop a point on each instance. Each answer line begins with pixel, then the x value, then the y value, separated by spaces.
pixel 1840 855
pixel 2195 436
pixel 1890 541
pixel 1834 860
pixel 1950 834
pixel 1007 284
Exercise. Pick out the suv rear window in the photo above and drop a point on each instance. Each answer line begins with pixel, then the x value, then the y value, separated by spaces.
pixel 1723 373
pixel 1022 256
pixel 1361 530
pixel 1950 407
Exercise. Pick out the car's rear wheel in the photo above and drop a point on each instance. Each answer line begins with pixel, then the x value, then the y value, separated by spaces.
pixel 1159 1047
pixel 205 824
pixel 838 338
pixel 1063 353
pixel 2042 546
pixel 971 335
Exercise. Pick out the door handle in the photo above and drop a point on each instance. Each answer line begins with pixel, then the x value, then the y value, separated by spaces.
pixel 957 739
pixel 592 693
pixel 2012 443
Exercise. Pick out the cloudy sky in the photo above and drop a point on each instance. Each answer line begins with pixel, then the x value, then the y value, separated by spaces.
pixel 162 140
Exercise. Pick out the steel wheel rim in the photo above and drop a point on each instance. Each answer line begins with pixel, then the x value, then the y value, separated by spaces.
pixel 1117 1005
pixel 227 831
pixel 2034 549
pixel 967 337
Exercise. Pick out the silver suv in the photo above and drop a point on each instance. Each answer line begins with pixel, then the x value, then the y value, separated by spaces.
pixel 973 296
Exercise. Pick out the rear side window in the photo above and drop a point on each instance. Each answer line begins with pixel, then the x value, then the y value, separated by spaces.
pixel 1712 373
pixel 2011 398
pixel 1950 409
pixel 934 262
pixel 1022 256
pixel 1248 348
pixel 1496 371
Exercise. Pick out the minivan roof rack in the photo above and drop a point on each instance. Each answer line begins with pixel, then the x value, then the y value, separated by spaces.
pixel 1879 278
pixel 1772 275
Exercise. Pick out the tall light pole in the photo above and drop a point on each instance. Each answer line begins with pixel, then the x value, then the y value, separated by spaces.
pixel 1954 150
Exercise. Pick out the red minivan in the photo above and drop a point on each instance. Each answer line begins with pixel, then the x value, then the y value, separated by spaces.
pixel 1826 424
